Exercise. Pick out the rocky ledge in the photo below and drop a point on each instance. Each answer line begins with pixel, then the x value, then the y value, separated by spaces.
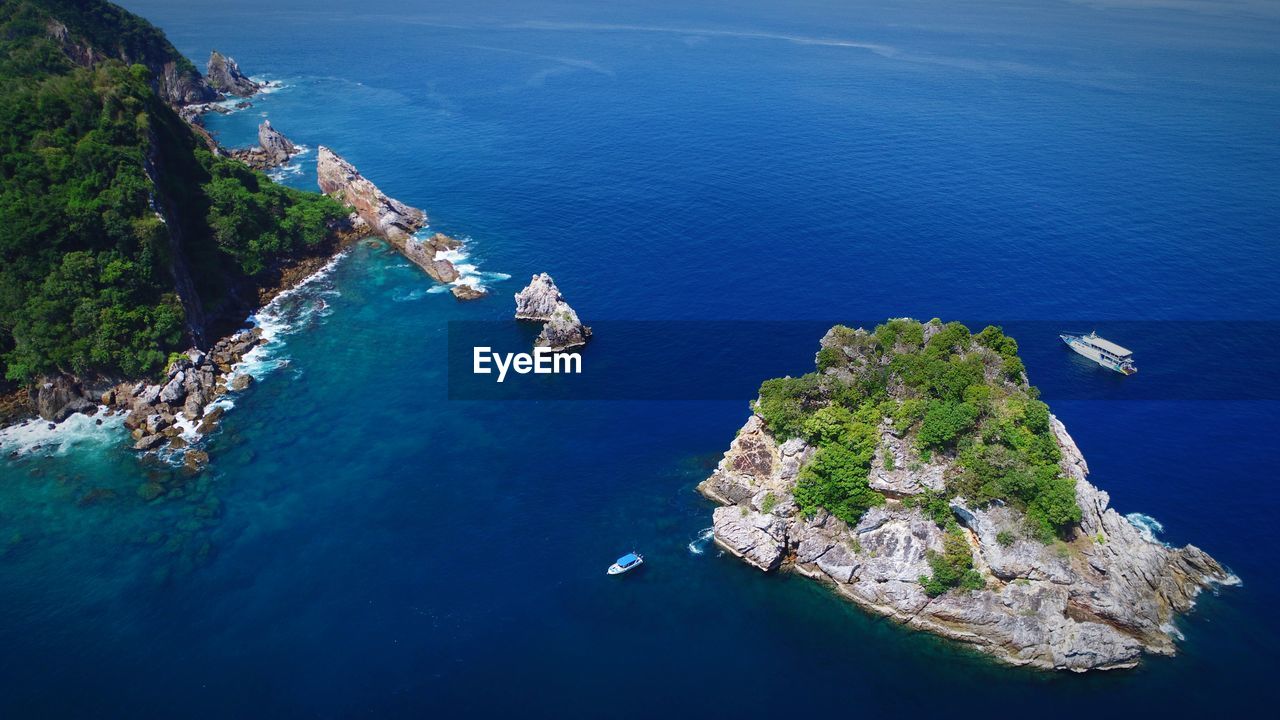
pixel 273 149
pixel 1098 599
pixel 224 75
pixel 390 219
pixel 542 301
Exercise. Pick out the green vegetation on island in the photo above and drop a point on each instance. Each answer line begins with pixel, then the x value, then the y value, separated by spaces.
pixel 112 207
pixel 950 395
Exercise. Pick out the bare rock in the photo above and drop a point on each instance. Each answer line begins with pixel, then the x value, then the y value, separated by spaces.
pixel 149 442
pixel 758 538
pixel 467 292
pixel 59 397
pixel 276 146
pixel 563 331
pixel 174 391
pixel 539 299
pixel 389 218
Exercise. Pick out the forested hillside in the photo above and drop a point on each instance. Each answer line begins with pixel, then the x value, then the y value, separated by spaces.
pixel 123 237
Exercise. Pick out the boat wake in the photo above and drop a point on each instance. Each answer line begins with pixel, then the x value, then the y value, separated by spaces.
pixel 699 544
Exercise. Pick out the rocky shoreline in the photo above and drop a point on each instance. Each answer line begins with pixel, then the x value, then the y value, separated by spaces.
pixel 173 412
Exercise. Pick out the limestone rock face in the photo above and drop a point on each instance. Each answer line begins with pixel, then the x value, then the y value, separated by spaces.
pixel 758 538
pixel 1098 602
pixel 224 76
pixel 563 330
pixel 385 216
pixel 905 478
pixel 539 299
pixel 542 301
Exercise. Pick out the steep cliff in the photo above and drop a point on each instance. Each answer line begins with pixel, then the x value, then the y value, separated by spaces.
pixel 129 238
pixel 92 31
pixel 978 526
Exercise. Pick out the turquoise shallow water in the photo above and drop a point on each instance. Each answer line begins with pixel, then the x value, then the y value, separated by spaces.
pixel 363 545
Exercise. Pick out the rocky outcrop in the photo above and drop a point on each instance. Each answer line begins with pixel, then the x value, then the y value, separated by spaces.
pixel 467 292
pixel 154 412
pixel 542 301
pixel 385 216
pixel 1098 602
pixel 277 147
pixel 60 397
pixel 273 149
pixel 224 76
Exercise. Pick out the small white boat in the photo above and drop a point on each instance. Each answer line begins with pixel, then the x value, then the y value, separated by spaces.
pixel 626 563
pixel 1104 352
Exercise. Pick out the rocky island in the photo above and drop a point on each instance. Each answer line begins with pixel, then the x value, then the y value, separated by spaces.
pixel 918 474
pixel 541 301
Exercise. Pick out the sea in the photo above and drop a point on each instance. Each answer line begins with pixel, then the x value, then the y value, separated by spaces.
pixel 374 537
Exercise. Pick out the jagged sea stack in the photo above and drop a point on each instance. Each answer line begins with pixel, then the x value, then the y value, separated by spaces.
pixel 385 216
pixel 918 474
pixel 542 301
pixel 276 146
pixel 224 76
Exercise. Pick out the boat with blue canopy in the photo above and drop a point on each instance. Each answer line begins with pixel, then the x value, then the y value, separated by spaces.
pixel 626 563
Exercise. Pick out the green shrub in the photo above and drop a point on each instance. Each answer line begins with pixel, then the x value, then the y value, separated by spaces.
pixel 836 479
pixel 935 505
pixel 832 424
pixel 769 502
pixel 953 567
pixel 1005 538
pixel 785 403
pixel 944 422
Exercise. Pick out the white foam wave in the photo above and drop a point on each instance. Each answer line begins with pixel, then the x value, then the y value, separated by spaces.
pixel 1231 580
pixel 469 273
pixel 1148 526
pixel 267 85
pixel 1172 631
pixel 293 168
pixel 36 436
pixel 287 313
pixel 699 544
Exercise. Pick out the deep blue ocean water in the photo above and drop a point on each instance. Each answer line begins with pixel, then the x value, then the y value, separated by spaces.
pixel 362 545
